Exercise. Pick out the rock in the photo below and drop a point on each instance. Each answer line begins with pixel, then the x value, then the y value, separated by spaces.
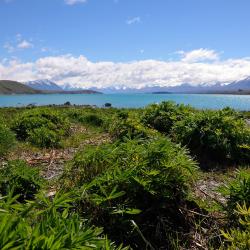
pixel 107 105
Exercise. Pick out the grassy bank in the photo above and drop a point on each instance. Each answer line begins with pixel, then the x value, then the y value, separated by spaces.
pixel 164 177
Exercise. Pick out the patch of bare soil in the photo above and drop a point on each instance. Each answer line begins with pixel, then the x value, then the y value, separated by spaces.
pixel 208 225
pixel 207 189
pixel 52 161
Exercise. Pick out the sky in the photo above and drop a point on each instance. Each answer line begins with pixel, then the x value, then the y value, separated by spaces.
pixel 125 43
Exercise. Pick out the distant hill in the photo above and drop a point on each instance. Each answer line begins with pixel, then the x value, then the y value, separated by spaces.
pixel 43 85
pixel 11 87
pixel 49 87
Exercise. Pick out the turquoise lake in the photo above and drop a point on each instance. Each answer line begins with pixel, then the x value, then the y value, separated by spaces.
pixel 203 101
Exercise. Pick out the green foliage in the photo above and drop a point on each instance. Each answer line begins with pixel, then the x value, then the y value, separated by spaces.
pixel 21 179
pixel 44 137
pixel 239 238
pixel 164 115
pixel 47 224
pixel 210 135
pixel 238 192
pixel 216 135
pixel 92 119
pixel 140 180
pixel 35 124
pixel 125 124
pixel 90 116
pixel 136 189
pixel 7 139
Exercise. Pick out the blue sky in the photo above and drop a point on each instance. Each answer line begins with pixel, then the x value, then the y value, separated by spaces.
pixel 124 31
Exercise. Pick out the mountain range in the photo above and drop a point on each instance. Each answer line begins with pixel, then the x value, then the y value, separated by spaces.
pixel 43 85
pixel 236 87
pixel 47 86
pixel 8 87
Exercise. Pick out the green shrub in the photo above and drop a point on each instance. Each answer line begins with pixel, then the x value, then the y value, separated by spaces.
pixel 238 192
pixel 123 125
pixel 92 119
pixel 7 139
pixel 21 179
pixel 215 135
pixel 238 238
pixel 87 165
pixel 30 126
pixel 140 180
pixel 164 115
pixel 47 224
pixel 89 116
pixel 44 137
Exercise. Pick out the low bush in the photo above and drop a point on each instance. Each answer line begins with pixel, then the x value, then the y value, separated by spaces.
pixel 47 224
pixel 164 115
pixel 137 182
pixel 87 116
pixel 238 238
pixel 44 137
pixel 20 179
pixel 35 124
pixel 238 192
pixel 217 135
pixel 220 136
pixel 92 119
pixel 7 139
pixel 125 125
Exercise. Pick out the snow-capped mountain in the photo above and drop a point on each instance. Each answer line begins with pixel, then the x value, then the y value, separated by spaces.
pixel 240 85
pixel 234 87
pixel 43 85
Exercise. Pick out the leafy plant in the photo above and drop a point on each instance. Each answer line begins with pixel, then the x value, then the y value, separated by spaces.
pixel 238 192
pixel 35 124
pixel 7 139
pixel 164 115
pixel 92 119
pixel 21 179
pixel 44 137
pixel 215 135
pixel 140 180
pixel 239 238
pixel 125 125
pixel 47 224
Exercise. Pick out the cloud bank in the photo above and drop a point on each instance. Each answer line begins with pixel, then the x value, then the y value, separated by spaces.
pixel 194 67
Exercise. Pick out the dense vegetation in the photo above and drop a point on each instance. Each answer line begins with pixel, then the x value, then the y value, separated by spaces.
pixel 163 177
pixel 43 128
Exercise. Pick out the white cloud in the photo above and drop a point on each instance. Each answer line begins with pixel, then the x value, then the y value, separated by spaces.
pixel 17 43
pixel 9 47
pixel 24 44
pixel 199 55
pixel 72 2
pixel 81 72
pixel 133 20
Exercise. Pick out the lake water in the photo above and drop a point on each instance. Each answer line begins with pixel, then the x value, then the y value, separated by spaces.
pixel 239 102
